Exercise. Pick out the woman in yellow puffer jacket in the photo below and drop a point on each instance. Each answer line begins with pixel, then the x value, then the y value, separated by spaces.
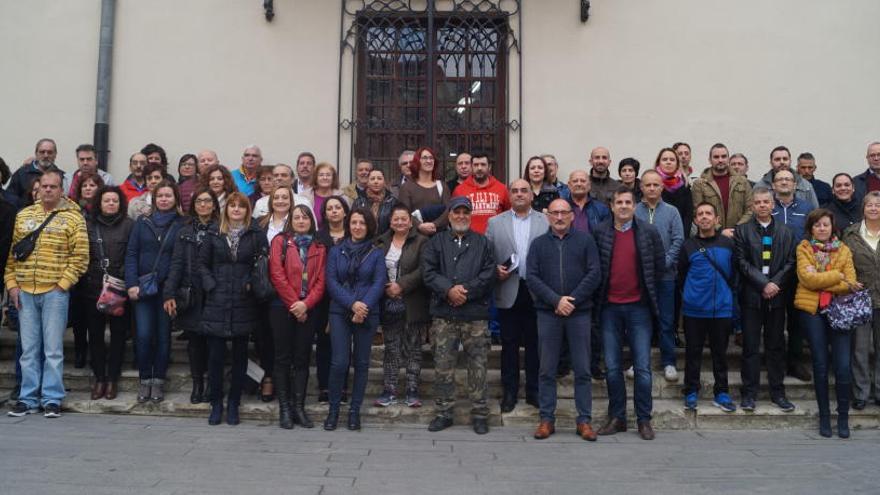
pixel 825 269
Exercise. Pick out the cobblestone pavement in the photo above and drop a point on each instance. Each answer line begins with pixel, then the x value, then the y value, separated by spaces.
pixel 94 454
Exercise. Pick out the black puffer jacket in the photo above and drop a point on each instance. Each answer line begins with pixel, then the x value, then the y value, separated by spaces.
pixel 114 233
pixel 230 307
pixel 184 273
pixel 845 214
pixel 683 201
pixel 650 253
pixel 747 238
pixel 383 219
pixel 472 265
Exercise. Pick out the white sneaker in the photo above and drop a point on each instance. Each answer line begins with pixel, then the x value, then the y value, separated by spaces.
pixel 670 373
pixel 630 373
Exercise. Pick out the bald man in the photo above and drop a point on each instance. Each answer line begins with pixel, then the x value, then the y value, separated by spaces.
pixel 603 186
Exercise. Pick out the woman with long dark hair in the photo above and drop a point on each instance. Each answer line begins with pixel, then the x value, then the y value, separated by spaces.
pixel 187 179
pixel 218 179
pixel 147 264
pixel 226 261
pixel 296 266
pixel 335 211
pixel 356 281
pixel 183 294
pixel 846 208
pixel 109 229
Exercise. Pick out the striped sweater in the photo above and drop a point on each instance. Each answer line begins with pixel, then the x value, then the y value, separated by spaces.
pixel 61 254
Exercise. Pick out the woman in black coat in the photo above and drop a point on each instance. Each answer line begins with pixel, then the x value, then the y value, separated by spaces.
pixel 377 199
pixel 109 228
pixel 226 261
pixel 335 211
pixel 847 210
pixel 676 190
pixel 183 294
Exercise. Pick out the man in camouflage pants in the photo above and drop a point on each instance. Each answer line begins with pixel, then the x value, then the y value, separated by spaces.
pixel 459 269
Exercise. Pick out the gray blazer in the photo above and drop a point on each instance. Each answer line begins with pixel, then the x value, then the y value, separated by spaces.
pixel 500 235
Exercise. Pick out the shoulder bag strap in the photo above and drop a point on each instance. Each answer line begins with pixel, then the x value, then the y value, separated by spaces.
pixel 165 237
pixel 104 261
pixel 36 233
pixel 717 268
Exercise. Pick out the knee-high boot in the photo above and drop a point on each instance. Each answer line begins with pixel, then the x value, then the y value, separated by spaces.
pixel 300 384
pixel 282 390
pixel 843 392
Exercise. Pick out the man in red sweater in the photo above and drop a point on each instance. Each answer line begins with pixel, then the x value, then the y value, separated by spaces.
pixel 488 195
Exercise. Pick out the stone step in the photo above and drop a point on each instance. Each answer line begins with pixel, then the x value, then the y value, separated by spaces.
pixel 667 414
pixel 179 353
pixel 179 380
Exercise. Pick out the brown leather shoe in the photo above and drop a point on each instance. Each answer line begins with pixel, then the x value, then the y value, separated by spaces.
pixel 98 389
pixel 646 431
pixel 612 426
pixel 112 390
pixel 585 431
pixel 544 430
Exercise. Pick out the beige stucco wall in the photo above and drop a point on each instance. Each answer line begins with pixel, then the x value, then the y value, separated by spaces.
pixel 639 75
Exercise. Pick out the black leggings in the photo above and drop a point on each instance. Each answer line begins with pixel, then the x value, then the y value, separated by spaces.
pixel 264 344
pixel 293 341
pixel 106 361
pixel 216 360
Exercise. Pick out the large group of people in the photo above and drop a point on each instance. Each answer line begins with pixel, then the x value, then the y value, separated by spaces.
pixel 572 271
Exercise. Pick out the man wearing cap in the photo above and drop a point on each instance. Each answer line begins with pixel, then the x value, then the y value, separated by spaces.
pixel 458 267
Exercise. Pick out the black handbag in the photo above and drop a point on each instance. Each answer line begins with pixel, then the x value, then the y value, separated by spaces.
pixel 23 248
pixel 183 298
pixel 261 283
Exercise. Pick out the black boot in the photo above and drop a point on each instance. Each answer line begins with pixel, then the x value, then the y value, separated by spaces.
pixel 843 391
pixel 216 413
pixel 354 420
pixel 300 383
pixel 198 390
pixel 232 414
pixel 282 390
pixel 332 419
pixel 825 426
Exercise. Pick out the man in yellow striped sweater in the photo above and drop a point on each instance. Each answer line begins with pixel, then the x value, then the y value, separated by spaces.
pixel 39 287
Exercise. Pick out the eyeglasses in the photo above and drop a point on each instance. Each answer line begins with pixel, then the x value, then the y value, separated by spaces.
pixel 204 201
pixel 558 213
pixel 524 190
pixel 874 155
pixel 251 155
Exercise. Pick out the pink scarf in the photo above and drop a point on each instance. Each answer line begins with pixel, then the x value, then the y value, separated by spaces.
pixel 671 182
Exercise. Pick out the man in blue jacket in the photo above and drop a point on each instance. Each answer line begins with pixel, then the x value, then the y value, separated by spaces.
pixel 563 273
pixel 706 273
pixel 458 266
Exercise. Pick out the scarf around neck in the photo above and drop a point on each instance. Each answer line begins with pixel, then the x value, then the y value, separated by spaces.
pixel 822 252
pixel 357 252
pixel 671 183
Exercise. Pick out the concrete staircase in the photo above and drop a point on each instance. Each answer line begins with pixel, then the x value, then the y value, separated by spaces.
pixel 668 404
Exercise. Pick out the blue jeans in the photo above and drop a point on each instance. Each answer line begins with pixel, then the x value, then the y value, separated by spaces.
pixel 576 328
pixel 153 338
pixel 628 323
pixel 42 320
pixel 344 333
pixel 666 303
pixel 819 335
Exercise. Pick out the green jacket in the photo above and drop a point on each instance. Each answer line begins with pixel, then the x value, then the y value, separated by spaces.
pixel 866 261
pixel 705 189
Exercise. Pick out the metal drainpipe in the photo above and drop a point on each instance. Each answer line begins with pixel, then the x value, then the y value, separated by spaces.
pixel 102 95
